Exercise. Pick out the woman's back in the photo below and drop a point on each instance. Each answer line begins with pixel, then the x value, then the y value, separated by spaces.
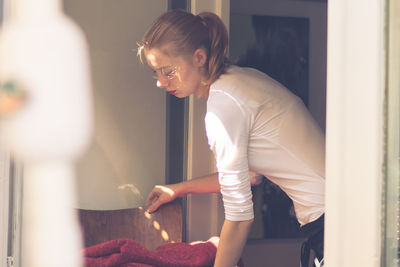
pixel 251 115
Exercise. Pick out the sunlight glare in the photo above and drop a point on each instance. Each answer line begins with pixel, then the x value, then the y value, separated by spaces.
pixel 156 225
pixel 164 235
pixel 147 215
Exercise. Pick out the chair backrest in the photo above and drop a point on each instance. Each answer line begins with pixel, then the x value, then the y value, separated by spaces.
pixel 150 230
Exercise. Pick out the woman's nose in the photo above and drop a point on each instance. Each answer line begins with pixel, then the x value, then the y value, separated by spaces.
pixel 162 82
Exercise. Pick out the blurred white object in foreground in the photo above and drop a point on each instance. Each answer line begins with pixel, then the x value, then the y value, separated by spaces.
pixel 45 120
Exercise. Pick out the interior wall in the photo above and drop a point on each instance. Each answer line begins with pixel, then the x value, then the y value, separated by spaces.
pixel 127 155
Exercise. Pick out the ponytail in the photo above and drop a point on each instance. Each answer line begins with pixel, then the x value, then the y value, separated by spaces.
pixel 217 48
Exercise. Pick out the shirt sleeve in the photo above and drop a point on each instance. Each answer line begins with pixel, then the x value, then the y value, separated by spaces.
pixel 227 126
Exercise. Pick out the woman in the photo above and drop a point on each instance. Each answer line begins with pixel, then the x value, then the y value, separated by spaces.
pixel 253 125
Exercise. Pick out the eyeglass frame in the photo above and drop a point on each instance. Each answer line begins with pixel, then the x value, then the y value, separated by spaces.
pixel 161 71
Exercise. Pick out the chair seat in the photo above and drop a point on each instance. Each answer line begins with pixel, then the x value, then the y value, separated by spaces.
pixel 150 230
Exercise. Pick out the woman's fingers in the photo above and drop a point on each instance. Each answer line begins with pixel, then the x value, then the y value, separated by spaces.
pixel 158 196
pixel 154 206
pixel 151 197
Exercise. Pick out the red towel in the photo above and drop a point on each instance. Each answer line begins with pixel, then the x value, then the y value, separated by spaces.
pixel 128 253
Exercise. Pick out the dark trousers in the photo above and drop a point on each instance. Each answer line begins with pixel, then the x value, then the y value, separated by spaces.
pixel 314 233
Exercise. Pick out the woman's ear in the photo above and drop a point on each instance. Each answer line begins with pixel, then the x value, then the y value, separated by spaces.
pixel 199 57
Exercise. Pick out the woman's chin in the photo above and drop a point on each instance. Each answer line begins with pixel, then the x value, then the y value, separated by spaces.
pixel 180 95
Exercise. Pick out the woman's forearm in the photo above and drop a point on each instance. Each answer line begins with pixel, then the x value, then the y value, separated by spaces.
pixel 162 194
pixel 233 234
pixel 232 241
pixel 205 184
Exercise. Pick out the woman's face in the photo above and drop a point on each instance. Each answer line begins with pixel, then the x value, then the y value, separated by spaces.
pixel 179 76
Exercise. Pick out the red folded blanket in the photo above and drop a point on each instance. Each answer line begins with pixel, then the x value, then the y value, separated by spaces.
pixel 129 253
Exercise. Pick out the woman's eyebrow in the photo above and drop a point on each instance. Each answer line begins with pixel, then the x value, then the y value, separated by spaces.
pixel 164 67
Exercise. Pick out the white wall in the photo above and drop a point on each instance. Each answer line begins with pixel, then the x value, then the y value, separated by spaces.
pixel 127 156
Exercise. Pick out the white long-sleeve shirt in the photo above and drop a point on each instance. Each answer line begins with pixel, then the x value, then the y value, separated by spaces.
pixel 255 124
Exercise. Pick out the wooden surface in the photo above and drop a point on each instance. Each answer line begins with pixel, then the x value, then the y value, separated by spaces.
pixel 150 230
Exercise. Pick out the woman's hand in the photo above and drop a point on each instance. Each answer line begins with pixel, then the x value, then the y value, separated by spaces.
pixel 160 195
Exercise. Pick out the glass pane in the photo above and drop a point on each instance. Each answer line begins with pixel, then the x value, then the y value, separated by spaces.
pixel 391 227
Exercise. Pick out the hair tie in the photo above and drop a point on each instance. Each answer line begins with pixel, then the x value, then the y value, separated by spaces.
pixel 203 21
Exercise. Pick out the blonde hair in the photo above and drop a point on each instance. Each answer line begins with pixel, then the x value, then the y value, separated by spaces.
pixel 180 33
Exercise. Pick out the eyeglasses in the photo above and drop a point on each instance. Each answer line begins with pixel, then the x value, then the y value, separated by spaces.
pixel 168 72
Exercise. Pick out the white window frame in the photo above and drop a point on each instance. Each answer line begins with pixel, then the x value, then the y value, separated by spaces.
pixel 354 136
pixel 4 206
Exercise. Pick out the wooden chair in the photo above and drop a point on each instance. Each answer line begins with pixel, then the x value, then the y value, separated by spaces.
pixel 150 230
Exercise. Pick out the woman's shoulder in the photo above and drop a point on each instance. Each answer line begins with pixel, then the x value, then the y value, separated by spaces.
pixel 233 71
pixel 235 77
pixel 245 77
pixel 250 85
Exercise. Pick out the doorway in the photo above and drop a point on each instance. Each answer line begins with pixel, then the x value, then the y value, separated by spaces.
pixel 286 40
